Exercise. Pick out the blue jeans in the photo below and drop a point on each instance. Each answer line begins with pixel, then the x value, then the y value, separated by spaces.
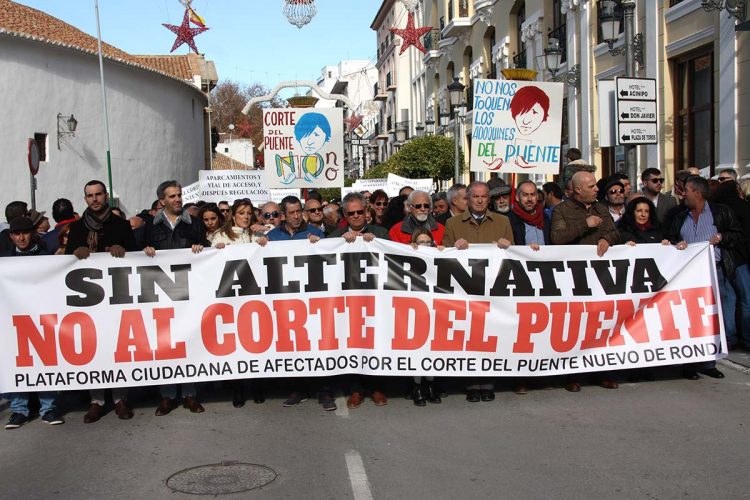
pixel 170 391
pixel 731 290
pixel 19 402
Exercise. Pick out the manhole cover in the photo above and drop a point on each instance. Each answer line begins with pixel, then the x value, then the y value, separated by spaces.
pixel 221 479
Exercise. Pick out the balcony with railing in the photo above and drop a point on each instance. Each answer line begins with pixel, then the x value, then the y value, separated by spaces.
pixel 378 93
pixel 561 35
pixel 519 60
pixel 459 20
pixel 431 41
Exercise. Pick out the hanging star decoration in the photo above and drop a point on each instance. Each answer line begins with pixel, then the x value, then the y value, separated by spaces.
pixel 184 32
pixel 411 35
pixel 353 122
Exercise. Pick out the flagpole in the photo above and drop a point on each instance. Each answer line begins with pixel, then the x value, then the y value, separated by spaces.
pixel 104 103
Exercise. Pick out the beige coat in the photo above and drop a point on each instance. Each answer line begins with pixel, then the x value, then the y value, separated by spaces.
pixel 492 228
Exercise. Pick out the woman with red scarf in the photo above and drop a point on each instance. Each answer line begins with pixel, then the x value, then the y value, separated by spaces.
pixel 639 225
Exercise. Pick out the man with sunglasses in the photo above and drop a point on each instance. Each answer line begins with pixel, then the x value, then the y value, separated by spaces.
pixel 653 182
pixel 728 174
pixel 355 207
pixel 314 214
pixel 268 219
pixel 614 198
pixel 224 208
pixel 419 205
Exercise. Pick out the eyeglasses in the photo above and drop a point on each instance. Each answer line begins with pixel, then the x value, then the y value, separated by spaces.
pixel 271 215
pixel 224 210
pixel 655 180
pixel 722 179
pixel 314 210
pixel 616 191
pixel 381 203
pixel 420 206
pixel 355 212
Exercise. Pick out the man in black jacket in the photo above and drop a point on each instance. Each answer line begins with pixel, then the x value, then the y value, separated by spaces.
pixel 98 230
pixel 699 221
pixel 529 221
pixel 173 228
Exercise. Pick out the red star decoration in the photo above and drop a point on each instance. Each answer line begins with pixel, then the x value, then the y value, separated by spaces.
pixel 411 35
pixel 353 121
pixel 185 33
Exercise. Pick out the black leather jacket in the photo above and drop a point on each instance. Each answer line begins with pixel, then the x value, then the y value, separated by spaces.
pixel 732 240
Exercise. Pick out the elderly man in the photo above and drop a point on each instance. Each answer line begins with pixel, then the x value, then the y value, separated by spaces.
pixel 653 181
pixel 699 221
pixel 478 225
pixel 500 199
pixel 99 230
pixel 581 220
pixel 331 217
pixel 314 213
pixel 172 228
pixel 456 196
pixel 356 225
pixel 419 205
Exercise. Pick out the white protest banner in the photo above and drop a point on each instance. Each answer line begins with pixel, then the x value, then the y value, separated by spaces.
pixel 517 126
pixel 396 182
pixel 370 185
pixel 296 309
pixel 303 148
pixel 276 195
pixel 347 190
pixel 191 193
pixel 230 185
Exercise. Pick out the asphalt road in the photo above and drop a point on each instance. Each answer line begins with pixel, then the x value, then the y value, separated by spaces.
pixel 671 438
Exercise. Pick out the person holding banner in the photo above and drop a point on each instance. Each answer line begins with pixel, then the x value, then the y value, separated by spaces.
pixel 582 220
pixel 237 227
pixel 26 243
pixel 698 221
pixel 170 229
pixel 354 213
pixel 419 205
pixel 98 230
pixel 478 225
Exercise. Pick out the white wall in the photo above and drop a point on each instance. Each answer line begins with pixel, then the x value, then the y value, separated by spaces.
pixel 240 150
pixel 156 126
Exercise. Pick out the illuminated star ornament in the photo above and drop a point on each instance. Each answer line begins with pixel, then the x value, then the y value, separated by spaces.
pixel 411 35
pixel 353 121
pixel 184 32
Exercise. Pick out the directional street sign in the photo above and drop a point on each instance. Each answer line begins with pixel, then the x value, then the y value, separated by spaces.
pixel 637 133
pixel 639 89
pixel 637 112
pixel 360 142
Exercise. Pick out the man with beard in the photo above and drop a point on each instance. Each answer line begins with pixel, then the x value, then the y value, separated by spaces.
pixel 419 205
pixel 500 200
pixel 653 181
pixel 99 230
pixel 172 228
pixel 527 218
pixel 614 197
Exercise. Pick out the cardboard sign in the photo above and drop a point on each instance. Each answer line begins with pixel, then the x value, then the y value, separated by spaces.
pixel 517 127
pixel 303 148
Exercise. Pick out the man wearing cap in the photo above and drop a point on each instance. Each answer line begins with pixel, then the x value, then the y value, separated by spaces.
pixel 12 210
pixel 614 198
pixel 419 205
pixel 653 181
pixel 500 199
pixel 26 242
pixel 98 230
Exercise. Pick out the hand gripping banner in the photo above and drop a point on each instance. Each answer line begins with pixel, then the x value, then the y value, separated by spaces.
pixel 381 308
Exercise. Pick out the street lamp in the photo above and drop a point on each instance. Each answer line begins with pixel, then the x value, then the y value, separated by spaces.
pixel 402 132
pixel 68 129
pixel 456 90
pixel 552 60
pixel 429 126
pixel 419 129
pixel 373 154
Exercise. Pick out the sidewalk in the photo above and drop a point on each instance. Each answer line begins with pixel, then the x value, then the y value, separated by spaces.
pixel 739 360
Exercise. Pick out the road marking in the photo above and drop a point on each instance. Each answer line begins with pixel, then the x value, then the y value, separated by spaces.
pixel 341 408
pixel 358 476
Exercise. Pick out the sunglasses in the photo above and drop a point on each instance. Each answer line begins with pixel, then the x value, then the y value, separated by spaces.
pixel 420 206
pixel 271 215
pixel 722 179
pixel 381 203
pixel 314 210
pixel 224 210
pixel 355 212
pixel 660 180
pixel 616 191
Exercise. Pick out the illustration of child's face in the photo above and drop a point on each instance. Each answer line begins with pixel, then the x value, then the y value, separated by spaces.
pixel 531 120
pixel 314 142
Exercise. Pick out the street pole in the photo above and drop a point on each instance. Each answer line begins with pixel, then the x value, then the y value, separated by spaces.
pixel 104 104
pixel 628 6
pixel 457 153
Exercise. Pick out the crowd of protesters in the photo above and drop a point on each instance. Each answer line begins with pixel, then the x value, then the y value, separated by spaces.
pixel 586 211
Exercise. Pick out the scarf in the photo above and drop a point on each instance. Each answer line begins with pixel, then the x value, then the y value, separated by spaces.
pixel 95 225
pixel 643 227
pixel 535 219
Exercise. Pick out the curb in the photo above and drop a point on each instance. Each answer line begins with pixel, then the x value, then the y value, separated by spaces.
pixel 734 366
